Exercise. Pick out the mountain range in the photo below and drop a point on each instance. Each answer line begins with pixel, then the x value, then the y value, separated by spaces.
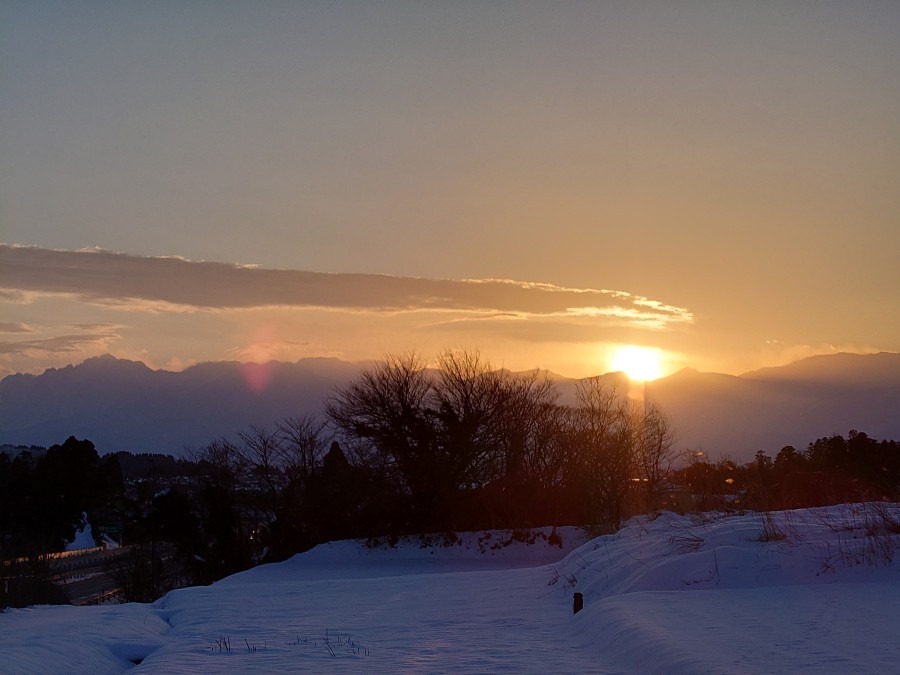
pixel 124 405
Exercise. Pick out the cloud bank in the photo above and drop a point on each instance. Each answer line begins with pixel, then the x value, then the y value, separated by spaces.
pixel 176 284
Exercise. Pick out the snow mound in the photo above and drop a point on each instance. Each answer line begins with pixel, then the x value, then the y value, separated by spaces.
pixel 422 554
pixel 710 551
pixel 793 591
pixel 813 591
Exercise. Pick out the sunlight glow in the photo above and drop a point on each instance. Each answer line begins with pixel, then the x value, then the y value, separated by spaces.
pixel 638 363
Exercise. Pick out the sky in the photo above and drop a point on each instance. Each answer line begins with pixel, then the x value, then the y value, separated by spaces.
pixel 542 181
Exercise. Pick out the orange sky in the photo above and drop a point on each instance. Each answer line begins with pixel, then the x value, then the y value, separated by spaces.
pixel 717 180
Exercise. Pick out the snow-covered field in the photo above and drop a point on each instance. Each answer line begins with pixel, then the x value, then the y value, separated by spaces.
pixel 813 591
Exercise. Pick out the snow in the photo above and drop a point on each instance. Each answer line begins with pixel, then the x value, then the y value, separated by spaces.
pixel 811 591
pixel 84 536
pixel 109 543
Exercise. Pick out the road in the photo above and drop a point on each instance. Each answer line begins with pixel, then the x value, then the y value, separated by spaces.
pixel 88 578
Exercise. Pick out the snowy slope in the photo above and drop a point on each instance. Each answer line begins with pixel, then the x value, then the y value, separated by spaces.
pixel 806 591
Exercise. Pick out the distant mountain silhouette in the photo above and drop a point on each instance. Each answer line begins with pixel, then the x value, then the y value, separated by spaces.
pixel 789 405
pixel 861 370
pixel 124 405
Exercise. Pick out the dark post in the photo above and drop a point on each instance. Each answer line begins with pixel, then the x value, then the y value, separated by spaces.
pixel 577 603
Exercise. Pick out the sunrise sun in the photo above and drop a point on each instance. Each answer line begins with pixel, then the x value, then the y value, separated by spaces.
pixel 638 363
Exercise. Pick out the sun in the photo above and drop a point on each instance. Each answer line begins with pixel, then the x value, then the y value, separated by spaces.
pixel 638 363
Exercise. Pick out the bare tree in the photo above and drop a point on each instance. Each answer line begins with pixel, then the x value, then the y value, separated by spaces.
pixel 302 445
pixel 523 402
pixel 220 464
pixel 387 406
pixel 654 449
pixel 446 432
pixel 604 449
pixel 261 452
pixel 466 401
pixel 547 451
pixel 467 428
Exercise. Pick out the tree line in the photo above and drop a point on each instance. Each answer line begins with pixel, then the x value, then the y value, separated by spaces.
pixel 832 470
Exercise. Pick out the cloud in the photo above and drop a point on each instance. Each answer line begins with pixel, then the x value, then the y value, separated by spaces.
pixel 15 328
pixel 533 331
pixel 93 327
pixel 167 284
pixel 57 344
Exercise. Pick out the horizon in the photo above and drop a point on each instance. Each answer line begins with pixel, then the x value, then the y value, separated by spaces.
pixel 635 381
pixel 553 185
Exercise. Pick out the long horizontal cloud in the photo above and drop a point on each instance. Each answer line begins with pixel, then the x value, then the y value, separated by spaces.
pixel 107 277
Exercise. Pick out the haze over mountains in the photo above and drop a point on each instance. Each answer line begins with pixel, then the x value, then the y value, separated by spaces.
pixel 789 405
pixel 124 405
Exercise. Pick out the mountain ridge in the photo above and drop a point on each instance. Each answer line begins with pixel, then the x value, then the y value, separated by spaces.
pixel 121 404
pixel 865 369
